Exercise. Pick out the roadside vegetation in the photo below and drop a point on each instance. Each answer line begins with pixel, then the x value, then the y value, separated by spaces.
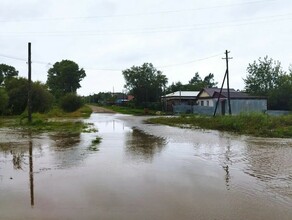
pixel 55 120
pixel 250 124
pixel 51 103
pixel 131 110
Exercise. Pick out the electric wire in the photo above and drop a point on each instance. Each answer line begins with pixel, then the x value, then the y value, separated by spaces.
pixel 115 70
pixel 141 14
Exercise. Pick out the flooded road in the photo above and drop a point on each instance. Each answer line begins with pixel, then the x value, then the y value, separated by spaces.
pixel 144 171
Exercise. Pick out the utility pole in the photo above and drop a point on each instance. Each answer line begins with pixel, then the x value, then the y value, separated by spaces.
pixel 227 76
pixel 29 84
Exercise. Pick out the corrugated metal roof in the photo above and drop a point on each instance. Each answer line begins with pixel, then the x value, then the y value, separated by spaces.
pixel 182 93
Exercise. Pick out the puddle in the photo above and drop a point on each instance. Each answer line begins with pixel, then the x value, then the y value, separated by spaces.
pixel 143 171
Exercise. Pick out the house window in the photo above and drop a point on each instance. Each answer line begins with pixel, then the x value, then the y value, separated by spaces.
pixel 202 103
pixel 207 103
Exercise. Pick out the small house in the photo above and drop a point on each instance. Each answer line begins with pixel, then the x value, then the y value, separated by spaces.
pixel 183 100
pixel 240 102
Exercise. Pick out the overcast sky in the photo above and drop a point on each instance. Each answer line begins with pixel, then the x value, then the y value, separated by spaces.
pixel 179 37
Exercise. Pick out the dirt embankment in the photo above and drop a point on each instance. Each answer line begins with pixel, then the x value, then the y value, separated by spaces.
pixel 98 109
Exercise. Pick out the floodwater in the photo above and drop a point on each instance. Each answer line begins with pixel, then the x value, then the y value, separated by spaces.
pixel 144 171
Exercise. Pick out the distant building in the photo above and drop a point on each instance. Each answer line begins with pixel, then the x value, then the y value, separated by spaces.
pixel 179 99
pixel 240 102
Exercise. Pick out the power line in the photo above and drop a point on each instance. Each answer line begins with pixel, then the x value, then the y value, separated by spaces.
pixel 220 24
pixel 141 14
pixel 116 70
pixel 192 61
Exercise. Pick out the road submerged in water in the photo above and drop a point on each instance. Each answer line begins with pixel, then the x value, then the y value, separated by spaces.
pixel 144 171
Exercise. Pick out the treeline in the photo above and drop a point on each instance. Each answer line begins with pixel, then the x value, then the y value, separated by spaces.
pixel 147 84
pixel 60 89
pixel 265 77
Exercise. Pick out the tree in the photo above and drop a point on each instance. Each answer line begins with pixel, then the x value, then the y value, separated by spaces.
pixel 145 82
pixel 17 90
pixel 3 101
pixel 262 76
pixel 195 84
pixel 64 77
pixel 42 99
pixel 280 98
pixel 6 72
pixel 71 102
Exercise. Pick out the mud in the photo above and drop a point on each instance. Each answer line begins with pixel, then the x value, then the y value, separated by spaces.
pixel 144 171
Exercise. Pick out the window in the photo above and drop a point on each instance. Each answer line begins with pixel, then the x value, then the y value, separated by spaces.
pixel 202 103
pixel 207 103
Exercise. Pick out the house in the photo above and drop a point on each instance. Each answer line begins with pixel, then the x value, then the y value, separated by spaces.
pixel 240 102
pixel 180 101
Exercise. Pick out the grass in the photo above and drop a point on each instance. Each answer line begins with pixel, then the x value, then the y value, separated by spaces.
pixel 130 111
pixel 52 121
pixel 251 124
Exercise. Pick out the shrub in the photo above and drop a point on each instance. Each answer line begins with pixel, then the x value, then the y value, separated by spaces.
pixel 71 102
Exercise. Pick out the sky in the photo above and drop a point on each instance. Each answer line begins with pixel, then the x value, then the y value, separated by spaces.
pixel 179 38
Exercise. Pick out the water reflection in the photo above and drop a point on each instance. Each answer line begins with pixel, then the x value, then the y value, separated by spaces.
pixel 63 141
pixel 31 177
pixel 142 146
pixel 20 150
pixel 270 162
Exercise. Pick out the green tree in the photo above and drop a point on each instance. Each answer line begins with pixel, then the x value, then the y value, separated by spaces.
pixel 6 72
pixel 64 77
pixel 42 99
pixel 262 76
pixel 71 102
pixel 145 82
pixel 17 90
pixel 195 84
pixel 3 101
pixel 280 98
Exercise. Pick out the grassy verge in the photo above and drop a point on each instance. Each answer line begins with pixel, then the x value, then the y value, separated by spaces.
pixel 251 124
pixel 130 111
pixel 52 121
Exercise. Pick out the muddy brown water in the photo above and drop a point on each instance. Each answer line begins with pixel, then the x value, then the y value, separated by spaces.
pixel 144 171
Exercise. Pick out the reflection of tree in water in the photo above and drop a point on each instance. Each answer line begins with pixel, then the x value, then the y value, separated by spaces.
pixel 143 146
pixel 18 160
pixel 18 151
pixel 68 150
pixel 65 141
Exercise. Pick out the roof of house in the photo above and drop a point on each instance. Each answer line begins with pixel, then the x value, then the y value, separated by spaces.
pixel 214 93
pixel 190 94
pixel 211 91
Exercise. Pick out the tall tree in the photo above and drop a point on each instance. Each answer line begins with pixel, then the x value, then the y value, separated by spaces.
pixel 262 76
pixel 145 82
pixel 17 90
pixel 64 77
pixel 6 72
pixel 195 84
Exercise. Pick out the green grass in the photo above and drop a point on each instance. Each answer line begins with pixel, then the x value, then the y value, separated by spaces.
pixel 130 111
pixel 251 124
pixel 51 121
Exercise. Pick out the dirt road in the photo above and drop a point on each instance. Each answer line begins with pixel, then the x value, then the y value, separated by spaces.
pixel 98 109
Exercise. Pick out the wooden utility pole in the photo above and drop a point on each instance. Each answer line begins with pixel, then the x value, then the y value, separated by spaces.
pixel 29 84
pixel 227 76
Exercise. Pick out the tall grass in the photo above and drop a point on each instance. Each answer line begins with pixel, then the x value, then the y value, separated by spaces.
pixel 255 124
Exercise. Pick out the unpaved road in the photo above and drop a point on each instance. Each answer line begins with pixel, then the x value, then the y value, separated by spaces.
pixel 98 109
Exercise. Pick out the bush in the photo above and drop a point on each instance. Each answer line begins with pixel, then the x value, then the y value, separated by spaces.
pixel 3 101
pixel 71 102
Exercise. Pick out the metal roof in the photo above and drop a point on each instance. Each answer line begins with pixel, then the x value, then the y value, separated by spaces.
pixel 182 93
